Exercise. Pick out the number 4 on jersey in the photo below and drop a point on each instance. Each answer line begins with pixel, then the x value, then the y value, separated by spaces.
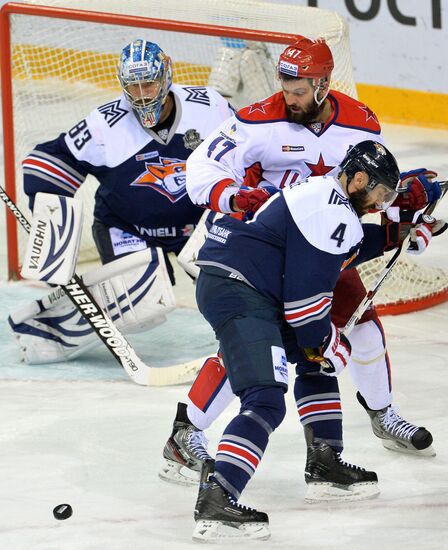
pixel 338 234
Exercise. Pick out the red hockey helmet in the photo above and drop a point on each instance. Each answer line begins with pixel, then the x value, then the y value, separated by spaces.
pixel 307 58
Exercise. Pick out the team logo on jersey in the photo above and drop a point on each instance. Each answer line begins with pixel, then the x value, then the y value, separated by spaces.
pixel 369 113
pixel 338 199
pixel 192 139
pixel 259 107
pixel 166 176
pixel 163 134
pixel 316 127
pixel 292 148
pixel 197 94
pixel 319 169
pixel 112 112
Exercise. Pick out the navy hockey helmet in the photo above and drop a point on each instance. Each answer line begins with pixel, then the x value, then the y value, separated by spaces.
pixel 378 163
pixel 145 74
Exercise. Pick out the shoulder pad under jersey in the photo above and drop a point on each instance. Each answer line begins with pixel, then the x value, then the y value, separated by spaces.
pixel 324 215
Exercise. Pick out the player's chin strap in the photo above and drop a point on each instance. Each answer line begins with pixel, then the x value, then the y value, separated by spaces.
pixel 108 333
pixel 384 275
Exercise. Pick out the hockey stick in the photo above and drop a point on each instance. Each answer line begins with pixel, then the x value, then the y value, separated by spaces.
pixel 108 333
pixel 384 275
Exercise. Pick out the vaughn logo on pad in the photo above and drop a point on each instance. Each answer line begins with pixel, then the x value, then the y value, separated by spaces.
pixel 53 243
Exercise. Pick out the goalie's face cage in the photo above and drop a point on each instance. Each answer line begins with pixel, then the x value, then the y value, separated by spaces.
pixel 145 75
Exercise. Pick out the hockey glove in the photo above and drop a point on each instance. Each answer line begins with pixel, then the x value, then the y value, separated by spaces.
pixel 426 228
pixel 420 189
pixel 399 223
pixel 250 199
pixel 333 354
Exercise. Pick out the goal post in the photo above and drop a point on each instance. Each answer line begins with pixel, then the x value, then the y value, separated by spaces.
pixel 58 64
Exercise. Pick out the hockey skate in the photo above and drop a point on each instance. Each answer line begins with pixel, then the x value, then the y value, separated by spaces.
pixel 396 434
pixel 219 518
pixel 330 479
pixel 184 452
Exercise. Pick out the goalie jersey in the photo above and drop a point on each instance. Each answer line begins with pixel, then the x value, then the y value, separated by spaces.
pixel 259 146
pixel 141 173
pixel 293 251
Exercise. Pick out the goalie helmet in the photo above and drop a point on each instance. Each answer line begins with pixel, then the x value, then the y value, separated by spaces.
pixel 307 59
pixel 145 74
pixel 378 163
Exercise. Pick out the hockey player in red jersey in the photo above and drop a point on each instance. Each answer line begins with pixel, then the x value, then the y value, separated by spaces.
pixel 304 130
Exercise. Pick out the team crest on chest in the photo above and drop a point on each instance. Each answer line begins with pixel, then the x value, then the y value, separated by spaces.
pixel 112 112
pixel 192 139
pixel 316 127
pixel 166 176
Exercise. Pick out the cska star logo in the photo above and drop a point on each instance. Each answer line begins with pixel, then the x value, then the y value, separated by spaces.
pixel 167 177
pixel 320 168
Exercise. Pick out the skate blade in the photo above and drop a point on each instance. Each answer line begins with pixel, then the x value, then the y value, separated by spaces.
pixel 326 492
pixel 394 446
pixel 209 531
pixel 173 472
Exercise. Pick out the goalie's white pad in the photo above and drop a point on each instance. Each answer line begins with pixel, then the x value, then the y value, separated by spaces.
pixel 225 74
pixel 257 70
pixel 134 291
pixel 53 244
pixel 189 253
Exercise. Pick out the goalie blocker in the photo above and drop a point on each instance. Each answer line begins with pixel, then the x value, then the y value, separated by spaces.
pixel 134 291
pixel 53 243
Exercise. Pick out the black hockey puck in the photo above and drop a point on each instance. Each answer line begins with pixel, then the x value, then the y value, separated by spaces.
pixel 62 511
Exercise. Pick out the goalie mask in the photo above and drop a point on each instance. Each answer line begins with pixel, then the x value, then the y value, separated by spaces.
pixel 145 75
pixel 380 166
pixel 308 59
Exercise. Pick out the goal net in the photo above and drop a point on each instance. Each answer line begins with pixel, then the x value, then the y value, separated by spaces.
pixel 61 63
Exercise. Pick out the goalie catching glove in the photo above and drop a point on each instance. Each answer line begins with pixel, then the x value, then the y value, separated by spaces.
pixel 333 354
pixel 420 189
pixel 399 224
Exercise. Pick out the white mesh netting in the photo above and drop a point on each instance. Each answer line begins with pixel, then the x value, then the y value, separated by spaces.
pixel 62 69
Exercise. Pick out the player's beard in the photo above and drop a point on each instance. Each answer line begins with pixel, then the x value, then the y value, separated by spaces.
pixel 304 115
pixel 360 202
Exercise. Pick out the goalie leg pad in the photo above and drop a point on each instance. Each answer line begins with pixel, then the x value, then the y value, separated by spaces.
pixel 134 291
pixel 53 243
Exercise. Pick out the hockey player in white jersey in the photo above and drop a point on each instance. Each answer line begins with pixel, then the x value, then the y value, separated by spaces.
pixel 302 131
pixel 266 287
pixel 136 146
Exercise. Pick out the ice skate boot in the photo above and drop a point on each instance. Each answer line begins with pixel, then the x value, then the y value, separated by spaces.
pixel 184 452
pixel 219 518
pixel 330 479
pixel 396 434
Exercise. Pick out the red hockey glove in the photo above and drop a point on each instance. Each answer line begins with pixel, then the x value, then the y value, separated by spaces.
pixel 422 233
pixel 333 354
pixel 420 189
pixel 250 199
pixel 421 226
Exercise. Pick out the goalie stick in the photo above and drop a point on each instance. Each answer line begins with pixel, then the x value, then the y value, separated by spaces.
pixel 108 333
pixel 384 275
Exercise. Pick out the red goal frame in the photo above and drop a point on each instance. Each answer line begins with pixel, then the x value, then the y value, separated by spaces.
pixel 91 16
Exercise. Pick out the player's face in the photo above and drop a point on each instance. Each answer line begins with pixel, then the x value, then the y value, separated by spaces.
pixel 301 106
pixel 144 92
pixel 378 198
